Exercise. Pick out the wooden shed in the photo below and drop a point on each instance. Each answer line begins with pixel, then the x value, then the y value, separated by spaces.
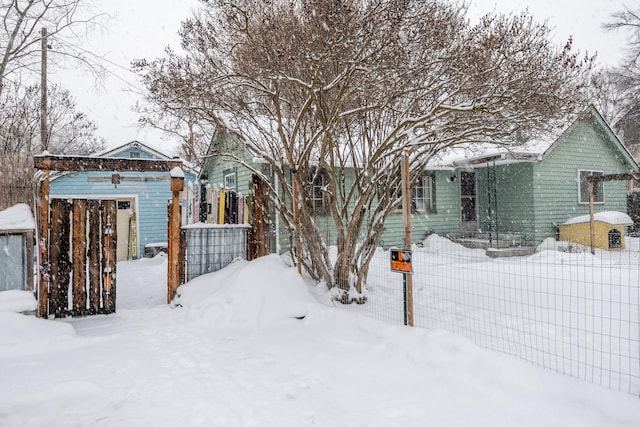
pixel 609 228
pixel 17 228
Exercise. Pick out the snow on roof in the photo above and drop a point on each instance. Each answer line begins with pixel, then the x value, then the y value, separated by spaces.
pixel 607 217
pixel 483 153
pixel 17 218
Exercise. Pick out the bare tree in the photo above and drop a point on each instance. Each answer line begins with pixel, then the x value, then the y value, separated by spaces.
pixel 193 132
pixel 330 93
pixel 69 131
pixel 628 20
pixel 624 80
pixel 20 35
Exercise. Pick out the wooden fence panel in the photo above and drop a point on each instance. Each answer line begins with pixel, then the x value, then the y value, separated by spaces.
pixel 109 245
pixel 94 255
pixel 79 249
pixel 59 256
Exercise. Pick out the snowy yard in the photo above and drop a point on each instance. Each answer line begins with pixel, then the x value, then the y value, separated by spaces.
pixel 561 308
pixel 253 345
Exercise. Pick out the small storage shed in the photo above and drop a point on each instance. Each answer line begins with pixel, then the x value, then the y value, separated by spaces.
pixel 17 228
pixel 609 229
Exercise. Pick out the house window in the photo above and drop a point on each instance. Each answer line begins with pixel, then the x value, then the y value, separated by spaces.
pixel 423 195
pixel 598 187
pixel 230 179
pixel 134 154
pixel 319 204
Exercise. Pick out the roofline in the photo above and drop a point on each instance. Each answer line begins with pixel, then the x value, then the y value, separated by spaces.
pixel 592 111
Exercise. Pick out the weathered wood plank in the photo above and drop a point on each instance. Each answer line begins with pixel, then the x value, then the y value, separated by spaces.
pixel 103 164
pixel 79 249
pixel 614 177
pixel 94 255
pixel 109 244
pixel 173 236
pixel 59 257
pixel 43 237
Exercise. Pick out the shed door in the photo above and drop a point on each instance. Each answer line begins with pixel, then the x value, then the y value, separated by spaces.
pixel 12 265
pixel 468 203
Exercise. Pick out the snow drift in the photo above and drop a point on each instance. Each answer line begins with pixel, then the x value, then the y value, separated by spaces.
pixel 262 291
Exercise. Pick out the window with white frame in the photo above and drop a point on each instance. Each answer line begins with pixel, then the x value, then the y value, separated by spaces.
pixel 598 187
pixel 230 179
pixel 318 199
pixel 423 195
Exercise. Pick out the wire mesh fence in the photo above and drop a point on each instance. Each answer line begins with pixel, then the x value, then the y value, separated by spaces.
pixel 561 308
pixel 211 247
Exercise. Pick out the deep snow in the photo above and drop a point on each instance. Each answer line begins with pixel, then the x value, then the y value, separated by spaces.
pixel 255 345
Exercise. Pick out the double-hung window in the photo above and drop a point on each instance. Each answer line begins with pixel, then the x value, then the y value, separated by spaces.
pixel 598 187
pixel 423 195
pixel 319 198
pixel 230 179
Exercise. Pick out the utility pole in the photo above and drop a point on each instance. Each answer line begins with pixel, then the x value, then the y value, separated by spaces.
pixel 43 92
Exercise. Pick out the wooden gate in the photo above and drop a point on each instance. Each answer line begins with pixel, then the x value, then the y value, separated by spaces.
pixel 97 252
pixel 82 257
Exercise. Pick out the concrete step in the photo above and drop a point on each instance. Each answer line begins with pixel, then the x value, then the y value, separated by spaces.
pixel 511 252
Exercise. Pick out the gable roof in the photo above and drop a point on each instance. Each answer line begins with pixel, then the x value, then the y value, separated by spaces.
pixel 135 145
pixel 592 115
pixel 539 149
pixel 112 152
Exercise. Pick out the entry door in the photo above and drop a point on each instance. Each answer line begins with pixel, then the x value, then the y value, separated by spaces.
pixel 468 204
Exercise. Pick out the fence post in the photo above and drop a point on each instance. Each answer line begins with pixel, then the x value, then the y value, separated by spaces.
pixel 43 245
pixel 173 234
pixel 406 213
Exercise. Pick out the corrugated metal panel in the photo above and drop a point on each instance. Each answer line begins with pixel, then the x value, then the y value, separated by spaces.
pixel 12 262
pixel 212 248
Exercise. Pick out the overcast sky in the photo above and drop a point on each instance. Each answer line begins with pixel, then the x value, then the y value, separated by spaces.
pixel 143 28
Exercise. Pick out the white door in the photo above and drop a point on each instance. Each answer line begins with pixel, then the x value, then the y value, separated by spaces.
pixel 125 213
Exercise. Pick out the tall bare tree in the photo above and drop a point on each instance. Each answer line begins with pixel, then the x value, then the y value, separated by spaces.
pixel 624 88
pixel 333 92
pixel 20 35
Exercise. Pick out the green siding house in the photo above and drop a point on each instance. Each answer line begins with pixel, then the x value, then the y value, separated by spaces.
pixel 520 195
pixel 530 193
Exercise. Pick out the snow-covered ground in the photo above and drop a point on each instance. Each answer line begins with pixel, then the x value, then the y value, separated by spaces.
pixel 561 308
pixel 254 345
